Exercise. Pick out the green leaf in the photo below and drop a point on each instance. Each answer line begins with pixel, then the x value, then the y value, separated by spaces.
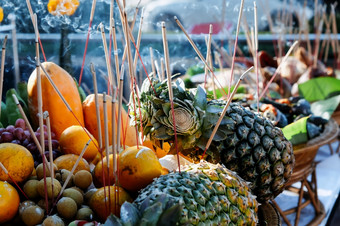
pixel 197 69
pixel 80 90
pixel 13 112
pixel 240 89
pixel 319 88
pixel 200 98
pixel 22 91
pixel 325 108
pixel 129 214
pixel 112 220
pixel 296 132
pixel 151 215
pixel 171 216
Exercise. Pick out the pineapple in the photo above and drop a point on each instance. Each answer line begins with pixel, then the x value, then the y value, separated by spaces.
pixel 245 142
pixel 209 194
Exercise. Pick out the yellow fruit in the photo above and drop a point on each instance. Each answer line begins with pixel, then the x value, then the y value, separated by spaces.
pixel 67 162
pixel 98 179
pixel 74 138
pixel 17 160
pixel 128 133
pixel 160 152
pixel 138 167
pixel 9 202
pixel 61 118
pixel 98 201
pixel 62 7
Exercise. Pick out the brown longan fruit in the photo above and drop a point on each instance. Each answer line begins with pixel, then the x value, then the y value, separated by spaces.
pixel 56 187
pixel 67 207
pixel 30 189
pixel 62 176
pixel 85 214
pixel 74 194
pixel 53 221
pixel 40 171
pixel 78 189
pixel 42 204
pixel 32 215
pixel 24 205
pixel 82 179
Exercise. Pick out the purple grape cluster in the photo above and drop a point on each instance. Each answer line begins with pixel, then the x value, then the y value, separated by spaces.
pixel 19 134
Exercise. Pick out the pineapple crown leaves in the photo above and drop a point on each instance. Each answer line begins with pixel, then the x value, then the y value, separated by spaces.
pixel 157 118
pixel 163 211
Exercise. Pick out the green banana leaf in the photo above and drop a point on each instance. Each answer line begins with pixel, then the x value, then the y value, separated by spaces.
pixel 80 90
pixel 325 108
pixel 319 88
pixel 296 132
pixel 13 112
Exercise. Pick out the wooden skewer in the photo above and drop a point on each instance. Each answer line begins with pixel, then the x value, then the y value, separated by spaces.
pixel 50 150
pixel 138 41
pixel 113 132
pixel 168 72
pixel 152 62
pixel 107 58
pixel 34 137
pixel 3 55
pixel 10 177
pixel 95 88
pixel 224 111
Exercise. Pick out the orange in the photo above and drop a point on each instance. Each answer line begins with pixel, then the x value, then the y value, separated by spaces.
pixel 62 7
pixel 61 117
pixel 90 117
pixel 9 202
pixel 98 179
pixel 97 201
pixel 160 152
pixel 1 14
pixel 17 160
pixel 74 138
pixel 138 167
pixel 67 162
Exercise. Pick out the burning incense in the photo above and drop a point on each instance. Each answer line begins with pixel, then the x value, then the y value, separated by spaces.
pixel 224 111
pixel 3 56
pixel 168 72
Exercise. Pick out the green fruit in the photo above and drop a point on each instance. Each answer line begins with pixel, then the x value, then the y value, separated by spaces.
pixel 210 195
pixel 74 194
pixel 30 189
pixel 32 215
pixel 85 214
pixel 67 207
pixel 56 187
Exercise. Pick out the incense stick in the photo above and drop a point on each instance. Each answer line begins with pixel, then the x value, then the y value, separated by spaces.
pixel 152 62
pixel 10 177
pixel 168 72
pixel 162 69
pixel 199 54
pixel 256 49
pixel 50 151
pixel 34 137
pixel 87 40
pixel 138 41
pixel 120 90
pixel 115 49
pixel 107 58
pixel 224 111
pixel 3 56
pixel 279 68
pixel 317 43
pixel 207 56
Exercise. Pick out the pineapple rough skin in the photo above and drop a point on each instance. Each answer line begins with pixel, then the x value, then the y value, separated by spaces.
pixel 245 142
pixel 210 195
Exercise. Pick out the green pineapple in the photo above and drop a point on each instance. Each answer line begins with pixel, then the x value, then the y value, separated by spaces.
pixel 209 194
pixel 245 142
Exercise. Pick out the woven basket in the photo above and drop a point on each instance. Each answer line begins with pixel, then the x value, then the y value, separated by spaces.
pixel 336 116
